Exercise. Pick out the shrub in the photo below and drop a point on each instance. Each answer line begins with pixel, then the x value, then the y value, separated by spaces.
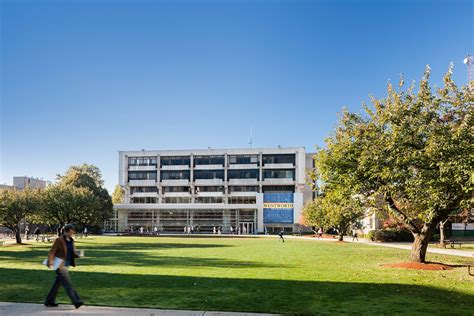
pixel 392 235
pixel 371 235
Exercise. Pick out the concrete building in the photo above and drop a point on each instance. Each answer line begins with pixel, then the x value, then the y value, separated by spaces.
pixel 239 190
pixel 28 182
pixel 21 183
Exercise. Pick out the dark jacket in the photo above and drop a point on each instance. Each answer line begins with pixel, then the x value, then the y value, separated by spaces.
pixel 59 249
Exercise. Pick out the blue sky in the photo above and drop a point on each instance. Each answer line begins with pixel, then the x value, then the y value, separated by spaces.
pixel 83 79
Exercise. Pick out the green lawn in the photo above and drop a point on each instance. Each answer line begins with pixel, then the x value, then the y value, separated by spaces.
pixel 243 274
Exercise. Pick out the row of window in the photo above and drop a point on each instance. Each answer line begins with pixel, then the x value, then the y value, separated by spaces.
pixel 200 199
pixel 143 190
pixel 213 174
pixel 212 160
pixel 199 189
pixel 142 161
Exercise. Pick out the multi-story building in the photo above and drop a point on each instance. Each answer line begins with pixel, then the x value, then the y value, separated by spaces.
pixel 28 182
pixel 241 190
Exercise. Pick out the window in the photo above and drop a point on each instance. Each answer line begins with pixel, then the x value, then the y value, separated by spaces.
pixel 176 199
pixel 275 159
pixel 279 174
pixel 208 174
pixel 243 174
pixel 209 189
pixel 175 175
pixel 145 200
pixel 209 199
pixel 176 189
pixel 142 161
pixel 175 161
pixel 143 190
pixel 209 160
pixel 243 159
pixel 242 200
pixel 141 175
pixel 278 188
pixel 243 189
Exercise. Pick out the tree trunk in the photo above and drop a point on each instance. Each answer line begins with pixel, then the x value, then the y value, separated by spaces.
pixel 420 245
pixel 341 237
pixel 17 236
pixel 441 233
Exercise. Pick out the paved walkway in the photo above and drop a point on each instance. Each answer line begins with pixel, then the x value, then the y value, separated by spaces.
pixel 399 245
pixel 10 309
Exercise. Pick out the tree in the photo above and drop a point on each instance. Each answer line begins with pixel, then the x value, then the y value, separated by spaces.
pixel 62 204
pixel 412 151
pixel 117 196
pixel 90 177
pixel 335 208
pixel 15 206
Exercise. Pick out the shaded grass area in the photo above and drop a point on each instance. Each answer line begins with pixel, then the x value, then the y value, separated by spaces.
pixel 260 275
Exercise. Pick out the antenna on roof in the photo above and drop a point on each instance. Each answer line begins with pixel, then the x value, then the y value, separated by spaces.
pixel 251 138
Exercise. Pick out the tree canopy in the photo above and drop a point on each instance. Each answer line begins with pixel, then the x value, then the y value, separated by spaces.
pixel 411 150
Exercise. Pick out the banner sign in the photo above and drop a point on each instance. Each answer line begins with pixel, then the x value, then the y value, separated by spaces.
pixel 278 208
pixel 462 226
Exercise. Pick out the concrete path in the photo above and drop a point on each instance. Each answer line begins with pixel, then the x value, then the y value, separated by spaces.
pixel 10 309
pixel 399 245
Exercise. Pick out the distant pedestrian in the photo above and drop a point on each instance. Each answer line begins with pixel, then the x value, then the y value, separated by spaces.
pixel 64 249
pixel 37 232
pixel 27 229
pixel 214 230
pixel 189 230
pixel 320 232
pixel 354 235
pixel 185 229
pixel 231 230
pixel 141 230
pixel 85 231
pixel 281 236
pixel 219 231
pixel 155 230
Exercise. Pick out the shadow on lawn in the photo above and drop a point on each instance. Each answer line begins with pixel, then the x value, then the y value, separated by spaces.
pixel 146 246
pixel 233 294
pixel 134 258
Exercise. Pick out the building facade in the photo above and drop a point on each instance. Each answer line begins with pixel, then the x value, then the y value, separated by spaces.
pixel 245 191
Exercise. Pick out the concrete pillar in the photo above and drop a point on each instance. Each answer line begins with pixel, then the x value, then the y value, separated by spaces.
pixel 122 220
pixel 226 221
pixel 260 212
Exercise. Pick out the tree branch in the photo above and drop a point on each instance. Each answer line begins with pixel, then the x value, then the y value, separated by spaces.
pixel 395 210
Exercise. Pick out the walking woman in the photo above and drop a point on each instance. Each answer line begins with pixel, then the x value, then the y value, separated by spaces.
pixel 63 248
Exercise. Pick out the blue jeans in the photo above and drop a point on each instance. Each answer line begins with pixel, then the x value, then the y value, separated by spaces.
pixel 62 278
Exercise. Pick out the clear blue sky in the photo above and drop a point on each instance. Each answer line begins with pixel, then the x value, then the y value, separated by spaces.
pixel 83 79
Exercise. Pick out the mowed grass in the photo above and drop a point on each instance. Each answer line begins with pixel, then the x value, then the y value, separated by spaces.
pixel 243 274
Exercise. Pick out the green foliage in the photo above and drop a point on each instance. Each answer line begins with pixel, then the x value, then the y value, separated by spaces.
pixel 117 196
pixel 385 235
pixel 371 235
pixel 16 205
pixel 89 176
pixel 410 154
pixel 62 204
pixel 336 208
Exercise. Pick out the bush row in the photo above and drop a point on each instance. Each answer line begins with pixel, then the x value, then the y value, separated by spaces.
pixel 390 235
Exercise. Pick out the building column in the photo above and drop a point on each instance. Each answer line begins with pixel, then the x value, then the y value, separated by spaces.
pixel 260 213
pixel 226 221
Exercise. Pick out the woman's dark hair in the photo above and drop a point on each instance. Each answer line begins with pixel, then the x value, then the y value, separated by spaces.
pixel 68 227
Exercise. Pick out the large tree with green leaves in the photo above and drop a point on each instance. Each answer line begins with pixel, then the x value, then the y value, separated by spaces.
pixel 412 152
pixel 15 206
pixel 90 177
pixel 335 208
pixel 62 204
